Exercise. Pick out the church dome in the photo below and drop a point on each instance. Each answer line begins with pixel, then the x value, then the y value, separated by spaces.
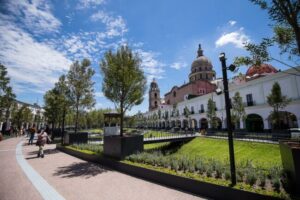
pixel 263 69
pixel 201 68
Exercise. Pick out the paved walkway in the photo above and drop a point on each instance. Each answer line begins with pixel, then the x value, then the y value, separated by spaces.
pixel 71 178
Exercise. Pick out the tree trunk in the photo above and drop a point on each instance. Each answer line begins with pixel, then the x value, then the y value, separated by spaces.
pixel 297 33
pixel 63 127
pixel 76 118
pixel 121 120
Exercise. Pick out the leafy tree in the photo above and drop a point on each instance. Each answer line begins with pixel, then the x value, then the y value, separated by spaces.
pixel 286 15
pixel 63 94
pixel 52 106
pixel 277 101
pixel 7 96
pixel 238 109
pixel 21 115
pixel 124 82
pixel 81 87
pixel 211 113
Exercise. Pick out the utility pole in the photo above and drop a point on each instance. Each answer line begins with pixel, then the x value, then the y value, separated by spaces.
pixel 228 117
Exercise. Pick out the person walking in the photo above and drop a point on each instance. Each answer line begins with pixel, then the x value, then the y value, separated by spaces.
pixel 32 131
pixel 42 140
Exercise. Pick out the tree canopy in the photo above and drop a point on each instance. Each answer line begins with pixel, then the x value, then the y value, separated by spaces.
pixel 123 82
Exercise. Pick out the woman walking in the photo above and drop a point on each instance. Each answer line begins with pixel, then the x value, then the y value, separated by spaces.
pixel 42 140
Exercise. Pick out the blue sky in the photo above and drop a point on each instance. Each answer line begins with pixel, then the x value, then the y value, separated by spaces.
pixel 39 39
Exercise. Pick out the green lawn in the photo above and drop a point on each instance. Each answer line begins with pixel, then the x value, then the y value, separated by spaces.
pixel 261 154
pixel 155 145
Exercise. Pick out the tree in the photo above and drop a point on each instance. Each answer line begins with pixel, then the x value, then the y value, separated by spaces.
pixel 211 113
pixel 63 94
pixel 21 115
pixel 277 101
pixel 124 82
pixel 81 87
pixel 7 97
pixel 238 109
pixel 52 106
pixel 286 15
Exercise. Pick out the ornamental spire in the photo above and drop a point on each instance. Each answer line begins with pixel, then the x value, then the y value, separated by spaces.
pixel 200 51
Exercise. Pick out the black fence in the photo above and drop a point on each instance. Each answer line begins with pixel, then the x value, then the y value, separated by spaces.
pixel 267 135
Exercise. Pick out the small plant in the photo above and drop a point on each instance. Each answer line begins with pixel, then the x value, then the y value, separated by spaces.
pixel 251 178
pixel 239 176
pixel 262 181
pixel 227 175
pixel 209 172
pixel 174 165
pixel 276 184
pixel 192 168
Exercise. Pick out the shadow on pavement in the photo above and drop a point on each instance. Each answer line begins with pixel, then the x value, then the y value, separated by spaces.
pixel 46 151
pixel 84 169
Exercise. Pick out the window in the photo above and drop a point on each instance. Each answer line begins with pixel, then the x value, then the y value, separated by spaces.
pixel 202 109
pixel 174 94
pixel 155 95
pixel 192 110
pixel 200 76
pixel 249 100
pixel 155 103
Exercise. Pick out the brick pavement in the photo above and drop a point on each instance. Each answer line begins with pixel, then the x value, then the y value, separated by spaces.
pixel 74 178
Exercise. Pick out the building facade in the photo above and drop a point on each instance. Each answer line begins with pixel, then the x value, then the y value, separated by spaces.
pixel 253 87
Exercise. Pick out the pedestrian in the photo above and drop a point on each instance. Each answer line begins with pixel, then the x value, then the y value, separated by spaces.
pixel 41 141
pixel 32 131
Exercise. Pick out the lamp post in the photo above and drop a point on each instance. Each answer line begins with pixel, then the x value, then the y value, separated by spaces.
pixel 228 117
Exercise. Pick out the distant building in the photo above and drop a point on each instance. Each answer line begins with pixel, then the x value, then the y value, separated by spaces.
pixel 254 87
pixel 37 113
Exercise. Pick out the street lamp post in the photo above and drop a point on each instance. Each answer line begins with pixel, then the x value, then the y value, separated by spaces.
pixel 228 117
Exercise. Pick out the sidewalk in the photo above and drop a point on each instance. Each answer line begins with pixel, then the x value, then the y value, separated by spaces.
pixel 73 178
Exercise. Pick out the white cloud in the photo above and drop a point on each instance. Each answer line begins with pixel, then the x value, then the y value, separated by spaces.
pixel 35 16
pixel 178 65
pixel 82 4
pixel 115 26
pixel 31 65
pixel 99 94
pixel 237 38
pixel 232 22
pixel 153 68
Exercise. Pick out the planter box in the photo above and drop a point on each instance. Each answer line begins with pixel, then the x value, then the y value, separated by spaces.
pixel 120 147
pixel 290 155
pixel 181 183
pixel 80 137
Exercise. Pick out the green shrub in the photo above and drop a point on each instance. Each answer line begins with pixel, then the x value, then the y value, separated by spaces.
pixel 209 172
pixel 251 178
pixel 262 181
pixel 174 164
pixel 227 175
pixel 276 184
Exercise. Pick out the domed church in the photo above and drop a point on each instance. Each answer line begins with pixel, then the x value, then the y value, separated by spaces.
pixel 200 78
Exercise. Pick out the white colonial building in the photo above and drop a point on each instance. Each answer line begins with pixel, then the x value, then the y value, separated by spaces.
pixel 254 87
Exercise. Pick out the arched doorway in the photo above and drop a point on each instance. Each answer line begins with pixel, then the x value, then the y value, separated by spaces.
pixel 178 123
pixel 284 120
pixel 185 123
pixel 254 123
pixel 173 124
pixel 203 123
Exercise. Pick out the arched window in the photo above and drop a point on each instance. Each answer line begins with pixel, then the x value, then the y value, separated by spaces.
pixel 155 95
pixel 155 103
pixel 174 94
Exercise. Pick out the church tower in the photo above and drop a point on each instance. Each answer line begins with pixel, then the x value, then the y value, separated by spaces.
pixel 154 96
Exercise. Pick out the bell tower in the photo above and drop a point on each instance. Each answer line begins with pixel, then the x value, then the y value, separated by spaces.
pixel 154 96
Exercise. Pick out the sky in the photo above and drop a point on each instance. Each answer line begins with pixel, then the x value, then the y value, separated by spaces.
pixel 40 39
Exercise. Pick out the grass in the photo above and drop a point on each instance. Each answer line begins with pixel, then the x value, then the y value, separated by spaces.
pixel 261 154
pixel 155 145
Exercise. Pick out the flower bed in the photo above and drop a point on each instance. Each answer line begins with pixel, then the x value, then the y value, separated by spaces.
pixel 249 178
